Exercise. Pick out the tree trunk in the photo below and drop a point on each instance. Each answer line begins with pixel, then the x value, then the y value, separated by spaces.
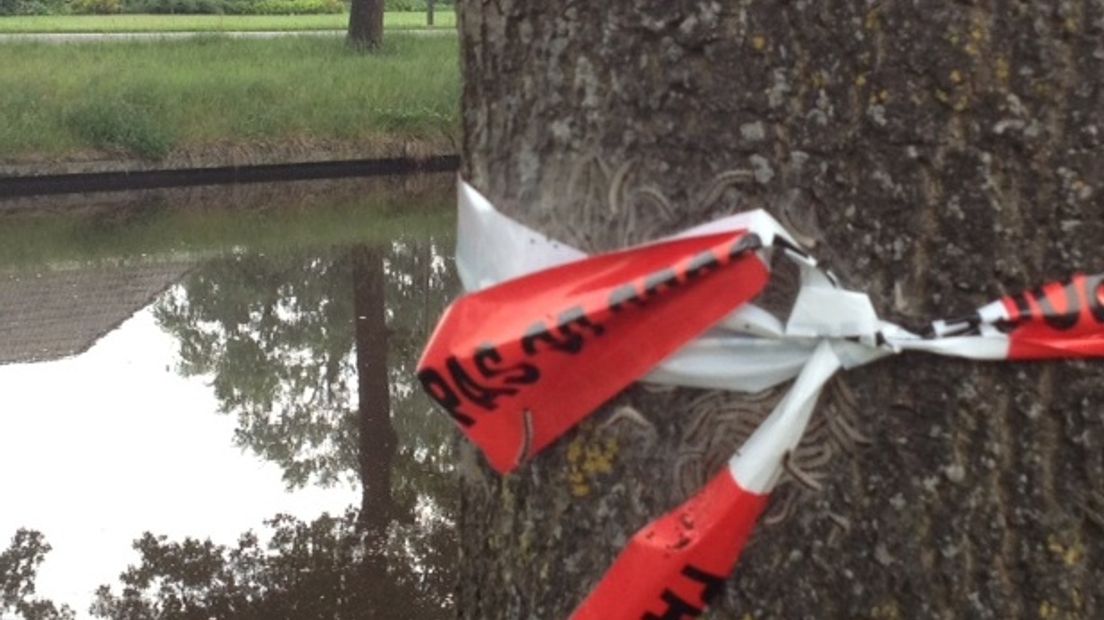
pixel 366 24
pixel 941 154
pixel 378 442
pixel 429 13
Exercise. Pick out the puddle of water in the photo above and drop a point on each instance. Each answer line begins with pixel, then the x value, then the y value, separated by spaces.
pixel 183 366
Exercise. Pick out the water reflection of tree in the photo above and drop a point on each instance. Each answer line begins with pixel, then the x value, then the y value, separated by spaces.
pixel 324 569
pixel 274 333
pixel 18 569
pixel 284 338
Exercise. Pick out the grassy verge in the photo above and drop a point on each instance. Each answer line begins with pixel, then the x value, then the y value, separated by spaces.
pixel 149 99
pixel 207 23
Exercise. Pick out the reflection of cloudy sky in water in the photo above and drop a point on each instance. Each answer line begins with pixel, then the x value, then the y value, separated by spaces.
pixel 120 440
pixel 99 448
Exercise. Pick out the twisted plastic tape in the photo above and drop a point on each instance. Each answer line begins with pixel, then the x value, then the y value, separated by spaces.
pixel 546 334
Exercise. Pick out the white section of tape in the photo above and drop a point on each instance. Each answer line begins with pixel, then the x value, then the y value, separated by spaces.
pixel 753 320
pixel 993 312
pixel 758 464
pixel 970 347
pixel 853 354
pixel 824 310
pixel 492 248
pixel 735 363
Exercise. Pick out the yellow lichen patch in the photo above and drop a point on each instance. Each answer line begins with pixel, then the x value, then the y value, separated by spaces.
pixel 759 42
pixel 588 458
pixel 977 39
pixel 873 20
pixel 860 80
pixel 1051 611
pixel 883 95
pixel 580 489
pixel 1073 555
pixel 1070 555
pixel 958 103
pixel 525 542
pixel 1004 71
pixel 960 100
pixel 886 611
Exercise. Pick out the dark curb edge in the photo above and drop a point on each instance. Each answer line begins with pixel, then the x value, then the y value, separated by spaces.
pixel 38 185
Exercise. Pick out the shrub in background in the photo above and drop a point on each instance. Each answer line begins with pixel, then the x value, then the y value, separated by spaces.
pixel 234 7
pixel 188 7
pixel 414 5
pixel 297 7
pixel 32 7
pixel 96 7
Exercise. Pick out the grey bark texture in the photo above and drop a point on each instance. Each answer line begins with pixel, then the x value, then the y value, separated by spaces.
pixel 941 154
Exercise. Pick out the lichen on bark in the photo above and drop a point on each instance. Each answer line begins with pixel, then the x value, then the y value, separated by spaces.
pixel 941 154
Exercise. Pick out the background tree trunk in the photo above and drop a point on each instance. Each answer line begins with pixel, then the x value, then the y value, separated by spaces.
pixel 378 443
pixel 942 154
pixel 365 24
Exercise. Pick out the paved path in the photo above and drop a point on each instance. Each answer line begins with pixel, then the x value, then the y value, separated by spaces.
pixel 94 37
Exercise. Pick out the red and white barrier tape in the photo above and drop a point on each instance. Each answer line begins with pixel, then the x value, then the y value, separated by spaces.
pixel 547 334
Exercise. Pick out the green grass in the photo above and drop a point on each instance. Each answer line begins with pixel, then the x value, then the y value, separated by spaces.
pixel 148 99
pixel 208 23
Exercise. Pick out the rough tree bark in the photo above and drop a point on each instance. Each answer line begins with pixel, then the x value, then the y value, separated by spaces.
pixel 942 154
pixel 365 24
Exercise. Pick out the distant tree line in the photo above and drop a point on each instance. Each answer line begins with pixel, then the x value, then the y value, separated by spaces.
pixel 193 7
pixel 414 5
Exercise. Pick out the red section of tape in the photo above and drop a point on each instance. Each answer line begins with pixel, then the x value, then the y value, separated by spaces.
pixel 1061 319
pixel 560 342
pixel 674 567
